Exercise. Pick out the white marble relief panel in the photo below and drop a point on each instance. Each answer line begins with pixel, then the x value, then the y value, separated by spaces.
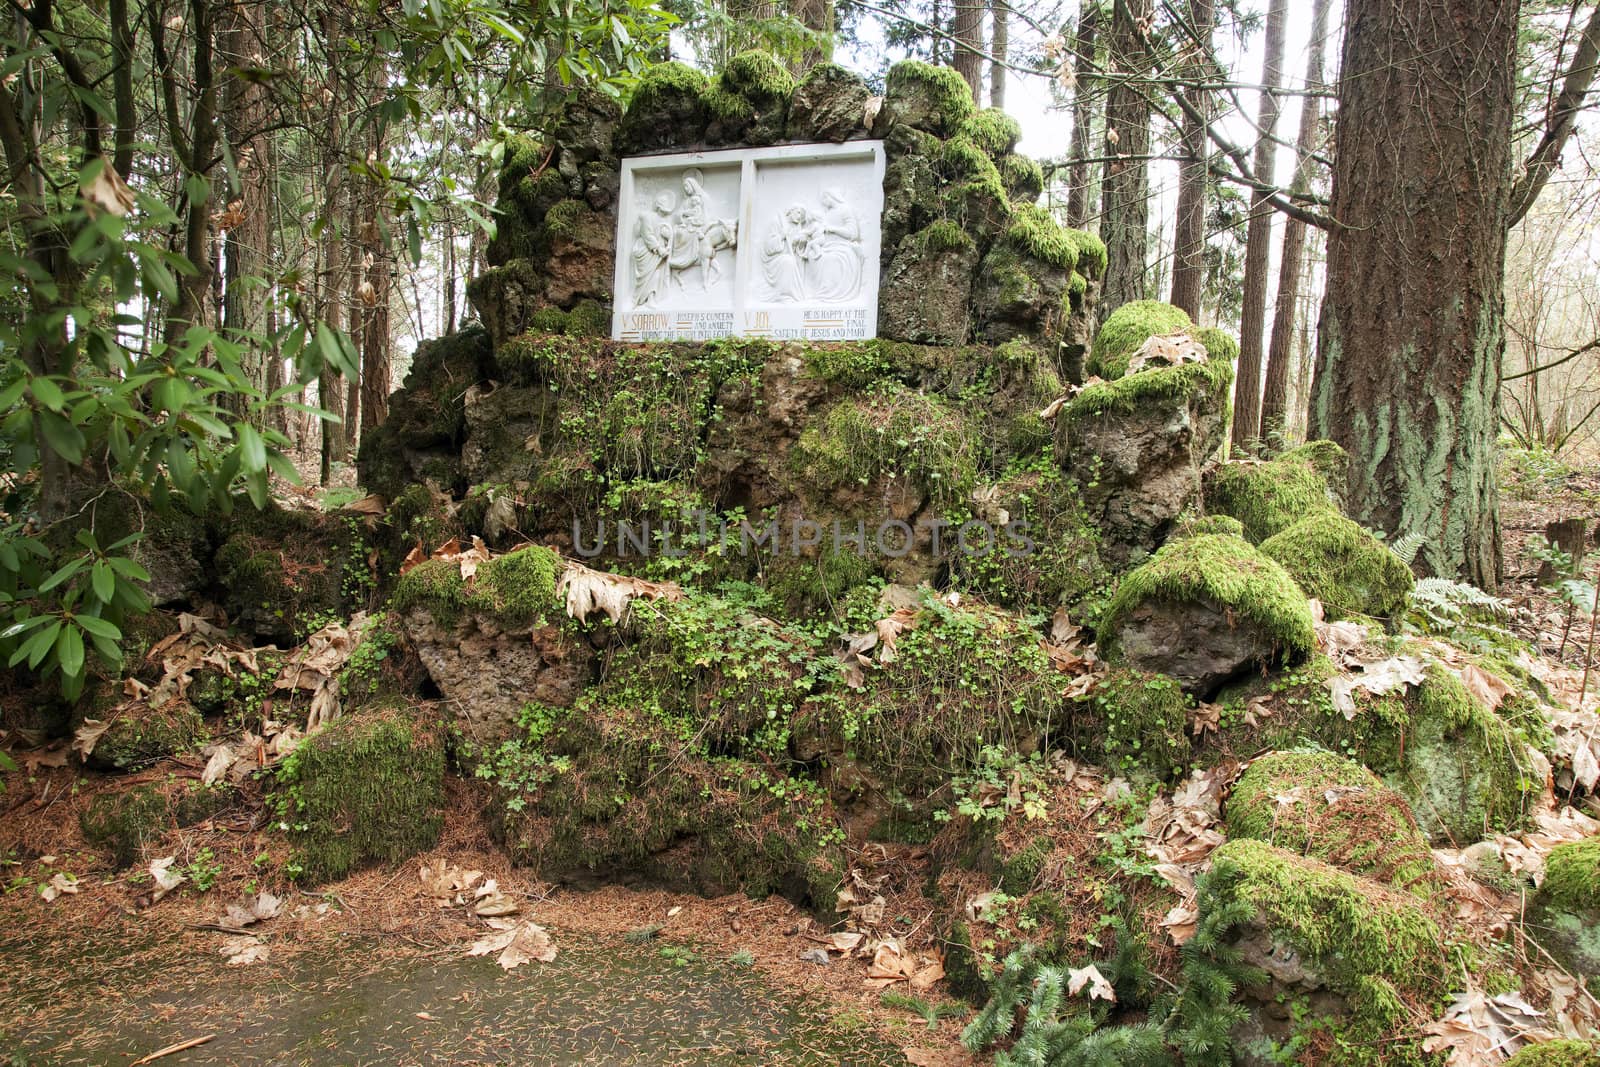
pixel 774 242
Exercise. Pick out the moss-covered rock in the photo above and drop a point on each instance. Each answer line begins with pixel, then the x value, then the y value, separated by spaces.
pixel 1557 1054
pixel 910 183
pixel 622 788
pixel 1572 876
pixel 1135 721
pixel 1364 958
pixel 1128 327
pixel 1464 771
pixel 830 104
pixel 991 130
pixel 139 735
pixel 1209 524
pixel 1268 497
pixel 1565 917
pixel 493 644
pixel 749 100
pixel 934 707
pixel 1336 561
pixel 891 432
pixel 421 439
pixel 1205 608
pixel 285 574
pixel 1136 448
pixel 928 286
pixel 368 788
pixel 668 110
pixel 1318 804
pixel 925 97
pixel 1023 178
pixel 124 822
pixel 1328 459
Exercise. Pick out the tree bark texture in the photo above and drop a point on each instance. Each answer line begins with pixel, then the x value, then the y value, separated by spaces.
pixel 1194 179
pixel 1125 186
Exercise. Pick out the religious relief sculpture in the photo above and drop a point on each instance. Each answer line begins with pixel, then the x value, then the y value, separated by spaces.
pixel 678 238
pixel 814 256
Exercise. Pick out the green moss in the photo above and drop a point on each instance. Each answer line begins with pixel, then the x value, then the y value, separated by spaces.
pixel 140 735
pixel 123 822
pixel 1129 394
pixel 368 788
pixel 1336 561
pixel 1023 177
pixel 1466 773
pixel 1268 497
pixel 588 319
pixel 964 162
pixel 562 217
pixel 1210 524
pixel 757 75
pixel 1380 950
pixel 667 79
pixel 1092 255
pixel 1227 573
pixel 991 130
pixel 945 89
pixel 1220 346
pixel 1035 231
pixel 1077 286
pixel 1572 876
pixel 549 319
pixel 1328 459
pixel 891 432
pixel 516 589
pixel 1318 804
pixel 936 708
pixel 1128 327
pixel 943 236
pixel 853 364
pixel 1136 721
pixel 1557 1054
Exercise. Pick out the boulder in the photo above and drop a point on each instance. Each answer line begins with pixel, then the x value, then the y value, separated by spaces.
pixel 1137 447
pixel 1319 804
pixel 927 288
pixel 830 104
pixel 749 101
pixel 1269 497
pixel 924 97
pixel 910 183
pixel 1205 609
pixel 1128 327
pixel 668 110
pixel 1338 562
pixel 1337 952
pixel 585 127
pixel 494 645
pixel 367 788
pixel 582 254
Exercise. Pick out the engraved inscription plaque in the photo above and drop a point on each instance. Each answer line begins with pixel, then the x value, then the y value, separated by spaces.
pixel 781 243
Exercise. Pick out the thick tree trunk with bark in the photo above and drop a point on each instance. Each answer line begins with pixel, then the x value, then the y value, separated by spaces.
pixel 1078 174
pixel 1258 241
pixel 1125 186
pixel 1412 330
pixel 967 29
pixel 1194 180
pixel 1275 395
pixel 377 263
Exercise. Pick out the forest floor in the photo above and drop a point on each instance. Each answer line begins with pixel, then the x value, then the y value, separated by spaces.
pixel 376 969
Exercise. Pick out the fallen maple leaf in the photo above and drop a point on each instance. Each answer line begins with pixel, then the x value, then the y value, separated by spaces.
pixel 517 943
pixel 1090 977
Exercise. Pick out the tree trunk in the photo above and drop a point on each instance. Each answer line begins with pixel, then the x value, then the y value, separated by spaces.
pixel 817 16
pixel 249 234
pixel 967 29
pixel 999 12
pixel 1125 187
pixel 1275 397
pixel 1079 177
pixel 1258 242
pixel 1194 180
pixel 1412 330
pixel 377 265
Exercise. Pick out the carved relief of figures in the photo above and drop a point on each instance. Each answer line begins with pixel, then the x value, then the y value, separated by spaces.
pixel 814 256
pixel 678 238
